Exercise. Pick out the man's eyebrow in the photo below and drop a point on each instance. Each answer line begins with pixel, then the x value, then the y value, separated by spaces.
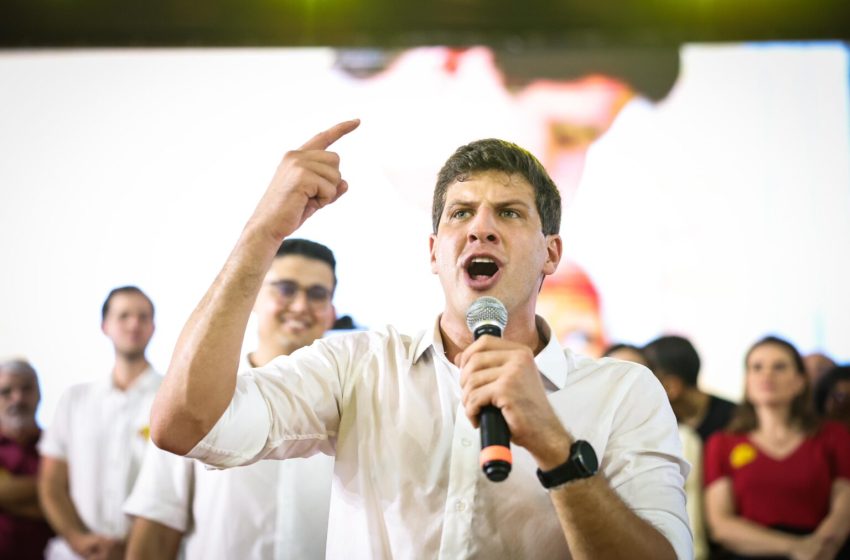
pixel 458 202
pixel 498 204
pixel 513 202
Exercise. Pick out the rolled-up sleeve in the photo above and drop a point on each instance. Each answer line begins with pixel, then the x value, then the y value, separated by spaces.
pixel 163 490
pixel 644 463
pixel 288 408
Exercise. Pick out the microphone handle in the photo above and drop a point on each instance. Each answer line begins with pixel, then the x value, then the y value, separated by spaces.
pixel 495 458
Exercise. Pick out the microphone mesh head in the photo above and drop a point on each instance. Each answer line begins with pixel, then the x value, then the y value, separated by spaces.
pixel 486 310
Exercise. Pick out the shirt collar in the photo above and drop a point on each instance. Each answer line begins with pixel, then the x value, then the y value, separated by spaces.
pixel 551 361
pixel 146 379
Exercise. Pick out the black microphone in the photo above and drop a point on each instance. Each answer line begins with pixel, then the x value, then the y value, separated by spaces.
pixel 487 315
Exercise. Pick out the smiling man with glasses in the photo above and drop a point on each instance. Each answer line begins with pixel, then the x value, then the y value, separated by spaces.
pixel 270 509
pixel 294 307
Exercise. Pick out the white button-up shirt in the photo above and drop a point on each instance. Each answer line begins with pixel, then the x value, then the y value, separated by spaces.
pixel 101 432
pixel 268 510
pixel 407 483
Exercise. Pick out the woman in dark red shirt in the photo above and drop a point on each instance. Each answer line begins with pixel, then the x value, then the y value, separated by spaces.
pixel 778 481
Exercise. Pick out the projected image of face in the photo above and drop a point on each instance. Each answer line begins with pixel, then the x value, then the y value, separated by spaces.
pixel 451 96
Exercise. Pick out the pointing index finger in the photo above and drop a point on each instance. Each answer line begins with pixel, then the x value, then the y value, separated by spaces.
pixel 324 139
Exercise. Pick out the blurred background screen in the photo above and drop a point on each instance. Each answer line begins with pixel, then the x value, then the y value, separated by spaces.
pixel 705 176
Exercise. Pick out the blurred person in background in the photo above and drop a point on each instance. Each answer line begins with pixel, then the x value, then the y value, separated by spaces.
pixel 676 363
pixel 267 510
pixel 778 480
pixel 23 531
pixel 832 395
pixel 93 449
pixel 817 364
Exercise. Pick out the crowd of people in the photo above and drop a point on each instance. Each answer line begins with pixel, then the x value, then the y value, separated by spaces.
pixel 770 476
pixel 376 431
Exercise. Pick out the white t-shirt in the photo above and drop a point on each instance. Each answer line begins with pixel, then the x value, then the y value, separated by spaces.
pixel 268 510
pixel 101 432
pixel 407 483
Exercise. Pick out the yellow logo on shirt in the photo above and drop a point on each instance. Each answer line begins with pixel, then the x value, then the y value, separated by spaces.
pixel 742 455
pixel 145 432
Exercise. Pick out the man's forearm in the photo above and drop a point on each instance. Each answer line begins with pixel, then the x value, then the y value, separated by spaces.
pixel 149 539
pixel 597 524
pixel 836 526
pixel 56 503
pixel 201 378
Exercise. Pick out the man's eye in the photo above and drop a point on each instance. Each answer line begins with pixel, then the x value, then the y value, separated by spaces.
pixel 460 214
pixel 510 213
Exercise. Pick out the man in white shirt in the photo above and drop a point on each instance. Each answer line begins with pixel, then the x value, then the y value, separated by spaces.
pixel 234 513
pixel 400 412
pixel 93 449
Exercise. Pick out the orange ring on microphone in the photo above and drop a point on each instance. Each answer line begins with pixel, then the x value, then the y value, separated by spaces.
pixel 495 453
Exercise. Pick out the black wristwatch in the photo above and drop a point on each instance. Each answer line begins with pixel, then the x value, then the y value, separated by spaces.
pixel 581 463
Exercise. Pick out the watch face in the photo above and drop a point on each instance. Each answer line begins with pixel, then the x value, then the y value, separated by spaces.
pixel 585 458
pixel 582 463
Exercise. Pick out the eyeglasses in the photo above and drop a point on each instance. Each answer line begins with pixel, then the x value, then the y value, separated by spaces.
pixel 288 288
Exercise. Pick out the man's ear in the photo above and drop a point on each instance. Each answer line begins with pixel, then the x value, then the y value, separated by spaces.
pixel 331 318
pixel 432 243
pixel 554 250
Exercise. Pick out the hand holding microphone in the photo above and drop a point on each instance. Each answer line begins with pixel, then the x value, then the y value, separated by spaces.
pixel 504 373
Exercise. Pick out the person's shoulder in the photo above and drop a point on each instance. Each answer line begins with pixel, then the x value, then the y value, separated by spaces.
pixel 613 368
pixel 721 403
pixel 620 377
pixel 724 438
pixel 151 379
pixel 81 391
pixel 385 337
pixel 833 431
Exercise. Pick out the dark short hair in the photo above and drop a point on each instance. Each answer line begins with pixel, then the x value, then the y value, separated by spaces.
pixel 123 290
pixel 310 250
pixel 674 355
pixel 616 347
pixel 498 155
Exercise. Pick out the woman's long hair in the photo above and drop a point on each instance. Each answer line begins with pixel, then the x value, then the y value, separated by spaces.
pixel 802 414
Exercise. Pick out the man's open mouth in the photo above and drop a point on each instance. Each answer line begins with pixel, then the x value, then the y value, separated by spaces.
pixel 482 267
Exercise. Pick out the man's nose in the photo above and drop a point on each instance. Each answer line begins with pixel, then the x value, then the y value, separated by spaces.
pixel 299 301
pixel 482 227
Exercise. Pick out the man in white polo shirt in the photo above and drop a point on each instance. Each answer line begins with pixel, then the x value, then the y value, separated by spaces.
pixel 268 510
pixel 93 449
pixel 597 462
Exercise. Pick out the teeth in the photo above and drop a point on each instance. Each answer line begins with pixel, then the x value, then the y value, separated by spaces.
pixel 483 260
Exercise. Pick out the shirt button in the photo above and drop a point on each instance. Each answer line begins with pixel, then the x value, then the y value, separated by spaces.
pixel 465 442
pixel 460 506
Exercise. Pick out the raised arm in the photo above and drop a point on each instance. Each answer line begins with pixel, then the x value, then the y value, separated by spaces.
pixel 201 378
